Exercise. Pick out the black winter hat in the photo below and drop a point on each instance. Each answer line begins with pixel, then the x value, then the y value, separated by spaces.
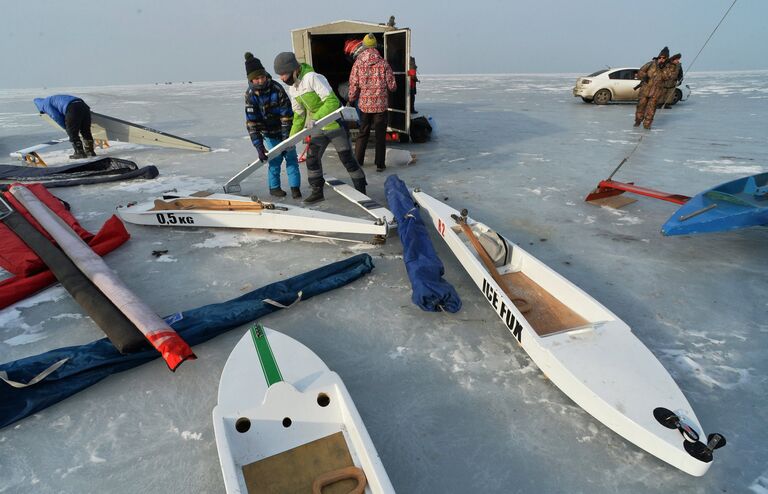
pixel 253 67
pixel 664 52
pixel 676 56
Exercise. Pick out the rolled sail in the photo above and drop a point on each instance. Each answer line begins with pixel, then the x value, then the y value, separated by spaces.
pixel 170 345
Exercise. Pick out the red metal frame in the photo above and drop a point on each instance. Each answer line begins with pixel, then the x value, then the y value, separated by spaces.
pixel 610 188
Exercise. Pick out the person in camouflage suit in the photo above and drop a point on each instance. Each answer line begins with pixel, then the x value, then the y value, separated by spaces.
pixel 669 97
pixel 653 76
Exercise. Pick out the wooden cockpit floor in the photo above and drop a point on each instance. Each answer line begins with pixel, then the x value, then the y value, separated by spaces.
pixel 294 470
pixel 207 204
pixel 547 314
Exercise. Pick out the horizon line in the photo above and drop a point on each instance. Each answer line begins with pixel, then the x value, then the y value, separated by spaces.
pixel 428 75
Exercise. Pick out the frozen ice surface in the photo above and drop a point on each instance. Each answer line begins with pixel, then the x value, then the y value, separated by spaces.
pixel 451 402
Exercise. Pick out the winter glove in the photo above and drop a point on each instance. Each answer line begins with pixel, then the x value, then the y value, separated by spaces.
pixel 262 152
pixel 310 123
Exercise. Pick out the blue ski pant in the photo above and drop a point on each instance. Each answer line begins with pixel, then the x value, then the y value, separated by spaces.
pixel 291 165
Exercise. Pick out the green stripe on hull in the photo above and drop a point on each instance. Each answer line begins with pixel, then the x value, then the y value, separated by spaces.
pixel 266 357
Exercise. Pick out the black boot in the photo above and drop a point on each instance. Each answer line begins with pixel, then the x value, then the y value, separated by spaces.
pixel 89 148
pixel 316 195
pixel 295 192
pixel 359 184
pixel 79 151
pixel 278 192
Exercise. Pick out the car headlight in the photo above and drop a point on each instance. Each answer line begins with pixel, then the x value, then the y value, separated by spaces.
pixel 585 81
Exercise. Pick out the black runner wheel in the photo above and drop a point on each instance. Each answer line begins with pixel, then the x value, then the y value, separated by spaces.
pixel 666 417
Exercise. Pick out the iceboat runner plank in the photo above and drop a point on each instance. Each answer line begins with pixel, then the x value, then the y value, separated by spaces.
pixel 350 193
pixel 110 128
pixel 345 113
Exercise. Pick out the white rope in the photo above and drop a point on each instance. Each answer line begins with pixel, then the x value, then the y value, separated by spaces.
pixel 326 237
pixel 36 379
pixel 710 36
pixel 278 304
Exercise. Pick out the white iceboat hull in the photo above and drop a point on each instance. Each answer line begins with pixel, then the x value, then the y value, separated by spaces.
pixel 310 398
pixel 24 154
pixel 583 348
pixel 282 217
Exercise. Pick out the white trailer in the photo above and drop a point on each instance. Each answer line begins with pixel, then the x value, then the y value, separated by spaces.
pixel 322 47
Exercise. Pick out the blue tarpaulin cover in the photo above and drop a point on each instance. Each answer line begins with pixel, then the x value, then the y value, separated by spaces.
pixel 425 269
pixel 90 363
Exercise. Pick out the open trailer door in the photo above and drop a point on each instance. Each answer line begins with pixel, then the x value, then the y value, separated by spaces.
pixel 397 51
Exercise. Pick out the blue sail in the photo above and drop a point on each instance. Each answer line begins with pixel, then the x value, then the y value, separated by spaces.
pixel 88 364
pixel 425 269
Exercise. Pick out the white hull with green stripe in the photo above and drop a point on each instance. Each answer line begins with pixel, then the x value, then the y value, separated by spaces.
pixel 284 420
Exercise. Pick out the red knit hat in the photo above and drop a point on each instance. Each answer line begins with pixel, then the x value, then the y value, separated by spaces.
pixel 353 47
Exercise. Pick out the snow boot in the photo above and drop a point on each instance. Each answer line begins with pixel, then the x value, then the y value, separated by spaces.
pixel 638 122
pixel 89 148
pixel 381 168
pixel 316 195
pixel 79 151
pixel 278 192
pixel 295 192
pixel 359 184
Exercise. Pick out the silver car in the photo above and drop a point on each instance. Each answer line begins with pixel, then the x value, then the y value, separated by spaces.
pixel 609 85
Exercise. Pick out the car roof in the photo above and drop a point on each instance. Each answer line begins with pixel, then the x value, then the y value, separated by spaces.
pixel 614 69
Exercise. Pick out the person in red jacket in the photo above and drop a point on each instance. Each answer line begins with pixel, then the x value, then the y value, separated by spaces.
pixel 370 83
pixel 412 77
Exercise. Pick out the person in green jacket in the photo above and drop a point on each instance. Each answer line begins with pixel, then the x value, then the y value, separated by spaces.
pixel 312 99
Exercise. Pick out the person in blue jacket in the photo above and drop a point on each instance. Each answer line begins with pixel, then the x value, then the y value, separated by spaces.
pixel 74 116
pixel 268 117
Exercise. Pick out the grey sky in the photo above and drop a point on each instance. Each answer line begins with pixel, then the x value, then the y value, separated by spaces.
pixel 84 42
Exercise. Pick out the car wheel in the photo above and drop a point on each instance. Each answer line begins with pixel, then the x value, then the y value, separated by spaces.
pixel 602 97
pixel 586 100
pixel 677 97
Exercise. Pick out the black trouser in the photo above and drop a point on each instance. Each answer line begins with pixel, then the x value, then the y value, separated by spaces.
pixel 340 140
pixel 78 121
pixel 413 98
pixel 379 122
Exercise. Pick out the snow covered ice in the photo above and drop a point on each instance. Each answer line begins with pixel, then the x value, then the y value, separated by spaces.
pixel 450 400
